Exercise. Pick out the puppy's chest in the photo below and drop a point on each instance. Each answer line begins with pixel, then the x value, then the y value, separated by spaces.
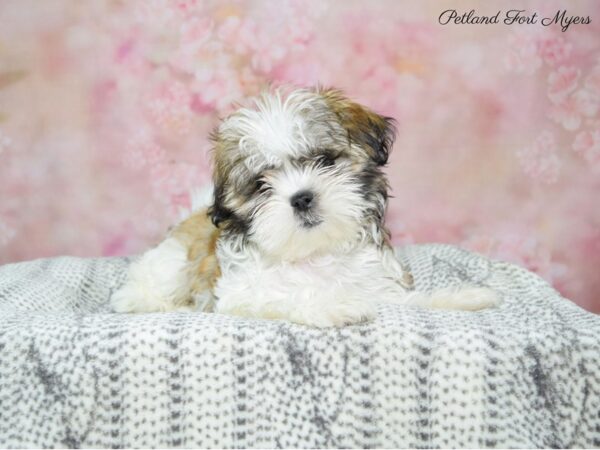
pixel 356 271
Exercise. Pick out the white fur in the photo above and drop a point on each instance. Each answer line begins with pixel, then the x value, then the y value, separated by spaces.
pixel 324 291
pixel 464 298
pixel 157 281
pixel 339 205
pixel 276 127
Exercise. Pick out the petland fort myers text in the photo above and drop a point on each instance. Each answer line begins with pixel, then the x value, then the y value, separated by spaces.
pixel 513 17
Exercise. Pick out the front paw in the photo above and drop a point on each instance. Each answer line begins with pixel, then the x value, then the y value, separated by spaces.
pixel 157 281
pixel 336 314
pixel 132 298
pixel 476 298
pixel 465 298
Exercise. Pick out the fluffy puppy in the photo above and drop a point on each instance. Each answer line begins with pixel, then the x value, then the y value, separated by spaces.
pixel 295 229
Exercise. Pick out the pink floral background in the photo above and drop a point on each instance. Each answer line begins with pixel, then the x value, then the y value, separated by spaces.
pixel 105 109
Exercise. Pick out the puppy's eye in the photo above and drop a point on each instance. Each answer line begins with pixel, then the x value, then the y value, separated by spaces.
pixel 259 184
pixel 327 160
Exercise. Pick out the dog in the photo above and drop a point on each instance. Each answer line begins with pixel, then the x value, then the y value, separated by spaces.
pixel 295 227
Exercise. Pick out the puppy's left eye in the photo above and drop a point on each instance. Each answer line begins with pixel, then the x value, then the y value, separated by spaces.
pixel 259 184
pixel 327 160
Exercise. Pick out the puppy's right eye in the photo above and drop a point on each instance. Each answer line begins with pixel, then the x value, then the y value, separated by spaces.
pixel 327 160
pixel 260 185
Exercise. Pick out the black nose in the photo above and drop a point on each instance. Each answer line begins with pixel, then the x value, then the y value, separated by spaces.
pixel 302 200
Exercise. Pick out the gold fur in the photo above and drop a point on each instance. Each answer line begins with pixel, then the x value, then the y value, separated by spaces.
pixel 364 127
pixel 200 237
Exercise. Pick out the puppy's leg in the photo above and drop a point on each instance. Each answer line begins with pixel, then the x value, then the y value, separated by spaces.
pixel 293 294
pixel 333 312
pixel 178 274
pixel 464 298
pixel 314 312
pixel 158 281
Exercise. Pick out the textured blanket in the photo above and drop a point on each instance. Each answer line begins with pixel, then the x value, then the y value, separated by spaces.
pixel 74 374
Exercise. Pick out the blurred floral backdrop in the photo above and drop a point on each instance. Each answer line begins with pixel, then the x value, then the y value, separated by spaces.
pixel 106 105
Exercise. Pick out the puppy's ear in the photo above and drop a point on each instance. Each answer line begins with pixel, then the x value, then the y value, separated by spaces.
pixel 371 131
pixel 217 211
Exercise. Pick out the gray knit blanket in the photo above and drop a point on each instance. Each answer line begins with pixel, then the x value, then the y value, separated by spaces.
pixel 74 374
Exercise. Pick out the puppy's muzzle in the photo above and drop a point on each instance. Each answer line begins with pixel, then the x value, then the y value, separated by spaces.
pixel 302 201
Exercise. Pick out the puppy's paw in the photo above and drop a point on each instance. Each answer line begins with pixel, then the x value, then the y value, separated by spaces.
pixel 335 314
pixel 320 314
pixel 156 282
pixel 134 298
pixel 462 299
pixel 475 299
pixel 465 298
pixel 129 298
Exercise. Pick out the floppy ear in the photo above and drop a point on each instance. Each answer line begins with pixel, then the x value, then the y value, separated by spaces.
pixel 373 132
pixel 217 211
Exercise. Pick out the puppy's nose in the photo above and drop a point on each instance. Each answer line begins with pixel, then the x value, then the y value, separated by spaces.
pixel 302 200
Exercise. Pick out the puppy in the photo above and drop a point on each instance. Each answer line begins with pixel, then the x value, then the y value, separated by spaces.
pixel 296 226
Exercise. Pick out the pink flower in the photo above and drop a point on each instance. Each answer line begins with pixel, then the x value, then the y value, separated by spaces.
pixel 195 32
pixel 555 50
pixel 238 35
pixel 540 161
pixel 169 108
pixel 523 55
pixel 587 144
pixel 592 81
pixel 546 141
pixel 172 182
pixel 587 102
pixel 142 151
pixel 567 113
pixel 265 60
pixel 562 82
pixel 216 88
pixel 154 14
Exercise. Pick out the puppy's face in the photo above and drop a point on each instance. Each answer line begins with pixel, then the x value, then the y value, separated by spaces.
pixel 300 175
